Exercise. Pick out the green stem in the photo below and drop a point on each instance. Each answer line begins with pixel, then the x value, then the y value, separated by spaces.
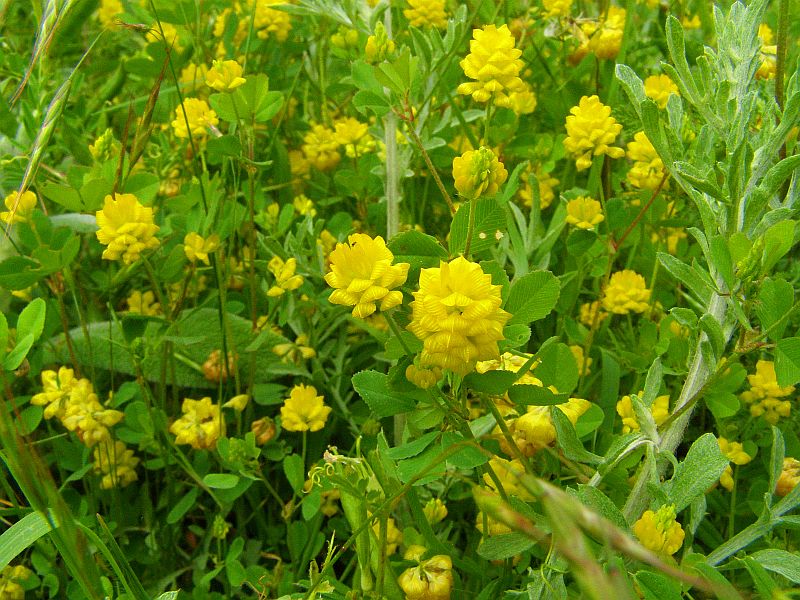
pixel 470 228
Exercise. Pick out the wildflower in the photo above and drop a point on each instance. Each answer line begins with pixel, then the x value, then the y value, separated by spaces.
pixel 494 64
pixel 590 132
pixel 625 293
pixel 659 88
pixel 735 453
pixel 285 278
pixel 546 183
pixel 215 369
pixel 143 303
pixel 238 402
pixel 584 212
pixel 126 228
pixel 478 173
pixel 321 148
pixel 490 526
pixel 199 116
pixel 193 75
pixel 457 315
pixel 84 415
pixel 426 13
pixel 303 410
pixel 379 47
pixel 200 424
pixel 768 53
pixel 765 395
pixel 19 207
pixel 423 377
pixel 345 38
pixel 55 395
pixel 431 579
pixel 557 8
pixel 659 410
pixel 116 463
pixel 269 21
pixel 659 531
pixel 297 351
pixel 105 147
pixel 225 75
pixel 10 579
pixel 394 537
pixel 789 478
pixel 362 274
pixel 582 361
pixel 522 103
pixel 434 510
pixel 590 313
pixel 303 205
pixel 607 39
pixel 354 137
pixel 109 11
pixel 534 430
pixel 196 248
pixel 508 473
pixel 648 169
pixel 264 429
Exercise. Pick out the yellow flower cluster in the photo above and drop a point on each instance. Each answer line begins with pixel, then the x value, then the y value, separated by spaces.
pixel 362 275
pixel 546 184
pixel 431 579
pixel 584 212
pixel 735 453
pixel 478 173
pixel 590 132
pixel 434 510
pixel 105 147
pixel 126 228
pixel 215 368
pixel 648 169
pixel 508 473
pixel 659 410
pixel 116 463
pixel 354 137
pixel 423 376
pixel 194 117
pixel 659 88
pixel 193 76
pixel 394 537
pixel 606 40
pixel 198 248
pixel 109 11
pixel 659 531
pixel 583 362
pixel 768 55
pixel 789 477
pixel 10 578
pixel 379 47
pixel 285 278
pixel 426 13
pixel 345 38
pixel 625 293
pixel 303 205
pixel 295 352
pixel 19 207
pixel 200 425
pixel 225 75
pixel 557 8
pixel 74 402
pixel 321 148
pixel 591 312
pixel 143 303
pixel 457 315
pixel 170 36
pixel 303 410
pixel 494 63
pixel 765 397
pixel 270 21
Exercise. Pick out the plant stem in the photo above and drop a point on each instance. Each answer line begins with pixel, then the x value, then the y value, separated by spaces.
pixel 470 228
pixel 431 168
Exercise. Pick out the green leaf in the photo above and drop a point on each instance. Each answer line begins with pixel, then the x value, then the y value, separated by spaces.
pixel 534 395
pixel 507 545
pixel 417 249
pixel 701 468
pixel 775 300
pixel 491 382
pixel 656 586
pixel 765 585
pixel 568 440
pixel 787 361
pixel 721 255
pixel 778 240
pixel 781 562
pixel 687 276
pixel 364 78
pixel 3 335
pixel 222 481
pixel 370 101
pixel 532 297
pixel 295 472
pixel 20 536
pixel 31 319
pixel 14 358
pixel 597 500
pixel 183 506
pixel 776 456
pixel 558 368
pixel 373 387
pixel 579 241
pixel 414 447
pixel 468 457
pixel 490 226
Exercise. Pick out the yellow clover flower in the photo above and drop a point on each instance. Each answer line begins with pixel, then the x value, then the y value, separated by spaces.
pixel 625 293
pixel 270 21
pixel 423 376
pixel 768 54
pixel 734 452
pixel 607 39
pixel 196 248
pixel 659 88
pixel 354 137
pixel 285 278
pixel 648 169
pixel 789 478
pixel 304 205
pixel 584 212
pixel 84 415
pixel 589 312
pixel 143 303
pixel 431 579
pixel 659 410
pixel 434 510
pixel 193 76
pixel 457 315
pixel 126 228
pixel 659 531
pixel 57 387
pixel 362 275
pixel 494 63
pixel 116 462
pixel 10 579
pixel 321 147
pixel 379 47
pixel 522 103
pixel 225 75
pixel 534 430
pixel 170 37
pixel 557 8
pixel 199 115
pixel 426 13
pixel 478 173
pixel 19 207
pixel 394 537
pixel 200 425
pixel 765 396
pixel 546 186
pixel 590 132
pixel 109 11
pixel 303 410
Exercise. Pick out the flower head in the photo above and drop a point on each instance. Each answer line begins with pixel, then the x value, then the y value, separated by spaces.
pixel 285 278
pixel 659 88
pixel 434 510
pixel 379 47
pixel 363 276
pixel 457 315
pixel 534 430
pixel 126 228
pixel 143 303
pixel 546 183
pixel 768 54
pixel 431 579
pixel 109 12
pixel 494 63
pixel 270 21
pixel 321 148
pixel 591 312
pixel 193 76
pixel 584 212
pixel 557 8
pixel 354 137
pixel 200 425
pixel 225 75
pixel 117 464
pixel 199 116
pixel 648 169
pixel 607 38
pixel 735 453
pixel 478 173
pixel 590 132
pixel 625 293
pixel 659 531
pixel 659 410
pixel 197 248
pixel 426 13
pixel 19 207
pixel 789 477
pixel 765 397
pixel 303 410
